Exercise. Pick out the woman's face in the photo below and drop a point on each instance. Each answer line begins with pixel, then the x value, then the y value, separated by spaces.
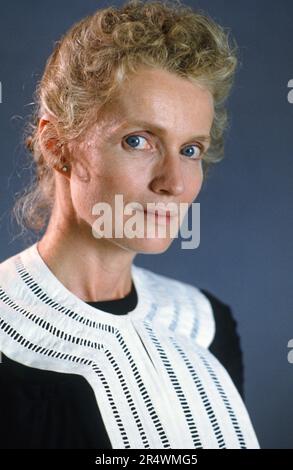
pixel 146 149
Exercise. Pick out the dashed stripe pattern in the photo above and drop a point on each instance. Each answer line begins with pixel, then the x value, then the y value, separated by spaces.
pixel 82 342
pixel 202 393
pixel 36 289
pixel 149 322
pixel 174 380
pixel 227 404
pixel 9 330
pixel 208 408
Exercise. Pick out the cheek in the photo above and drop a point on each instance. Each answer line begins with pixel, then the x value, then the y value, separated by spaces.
pixel 194 180
pixel 101 188
pixel 126 180
pixel 84 196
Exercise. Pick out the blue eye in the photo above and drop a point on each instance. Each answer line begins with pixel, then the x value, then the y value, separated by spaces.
pixel 194 157
pixel 133 142
pixel 134 139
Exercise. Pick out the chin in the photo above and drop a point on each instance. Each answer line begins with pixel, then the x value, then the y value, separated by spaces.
pixel 146 246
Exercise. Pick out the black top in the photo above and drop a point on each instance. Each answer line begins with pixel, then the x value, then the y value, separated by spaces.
pixel 48 409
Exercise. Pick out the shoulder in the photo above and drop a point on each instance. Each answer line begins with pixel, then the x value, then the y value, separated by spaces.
pixel 165 288
pixel 182 303
pixel 171 287
pixel 222 311
pixel 12 292
pixel 226 323
pixel 8 270
pixel 11 269
pixel 211 320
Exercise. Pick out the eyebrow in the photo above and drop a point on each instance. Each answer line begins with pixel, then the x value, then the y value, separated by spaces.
pixel 162 130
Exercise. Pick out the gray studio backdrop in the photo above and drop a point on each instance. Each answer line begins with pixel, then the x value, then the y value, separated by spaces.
pixel 245 253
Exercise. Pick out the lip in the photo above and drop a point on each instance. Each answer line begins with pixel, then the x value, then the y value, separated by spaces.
pixel 159 216
pixel 158 213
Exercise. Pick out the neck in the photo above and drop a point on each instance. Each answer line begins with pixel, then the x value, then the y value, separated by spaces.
pixel 93 269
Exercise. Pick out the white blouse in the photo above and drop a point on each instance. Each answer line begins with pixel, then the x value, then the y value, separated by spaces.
pixel 155 382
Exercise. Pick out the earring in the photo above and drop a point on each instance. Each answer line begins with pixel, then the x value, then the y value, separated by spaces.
pixel 65 168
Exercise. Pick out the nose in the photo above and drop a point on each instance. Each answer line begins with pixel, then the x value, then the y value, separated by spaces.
pixel 168 176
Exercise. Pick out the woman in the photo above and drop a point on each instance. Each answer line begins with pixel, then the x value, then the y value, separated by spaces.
pixel 96 351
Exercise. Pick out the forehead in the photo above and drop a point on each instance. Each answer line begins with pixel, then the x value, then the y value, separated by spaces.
pixel 161 97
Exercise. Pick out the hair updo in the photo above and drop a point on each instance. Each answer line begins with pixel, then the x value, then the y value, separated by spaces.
pixel 91 60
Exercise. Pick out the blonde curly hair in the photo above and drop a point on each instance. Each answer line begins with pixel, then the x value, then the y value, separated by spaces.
pixel 92 59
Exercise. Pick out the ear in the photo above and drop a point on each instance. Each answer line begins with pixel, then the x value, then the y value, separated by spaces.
pixel 51 147
pixel 49 137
